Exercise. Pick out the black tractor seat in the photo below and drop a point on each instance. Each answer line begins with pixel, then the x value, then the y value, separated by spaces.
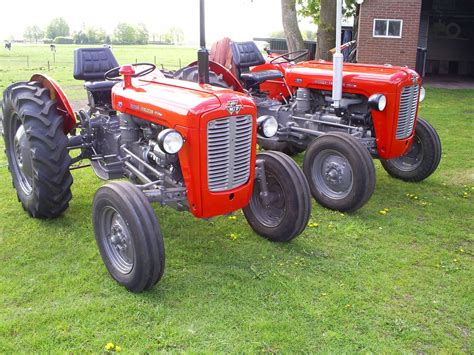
pixel 90 65
pixel 246 55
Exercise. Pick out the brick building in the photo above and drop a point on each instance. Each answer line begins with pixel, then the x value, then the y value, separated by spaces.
pixel 433 36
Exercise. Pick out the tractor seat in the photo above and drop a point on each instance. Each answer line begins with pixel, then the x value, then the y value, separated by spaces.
pixel 246 55
pixel 90 65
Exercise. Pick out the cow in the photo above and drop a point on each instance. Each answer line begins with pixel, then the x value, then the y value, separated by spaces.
pixel 8 45
pixel 52 47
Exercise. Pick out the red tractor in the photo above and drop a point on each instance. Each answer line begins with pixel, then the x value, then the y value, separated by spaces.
pixel 342 116
pixel 191 146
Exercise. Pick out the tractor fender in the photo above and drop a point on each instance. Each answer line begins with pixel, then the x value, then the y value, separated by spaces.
pixel 63 105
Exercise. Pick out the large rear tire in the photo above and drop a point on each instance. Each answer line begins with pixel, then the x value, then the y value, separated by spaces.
pixel 128 236
pixel 340 172
pixel 284 213
pixel 36 148
pixel 422 158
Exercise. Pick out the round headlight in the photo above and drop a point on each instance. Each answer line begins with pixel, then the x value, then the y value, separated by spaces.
pixel 267 126
pixel 422 94
pixel 378 102
pixel 170 141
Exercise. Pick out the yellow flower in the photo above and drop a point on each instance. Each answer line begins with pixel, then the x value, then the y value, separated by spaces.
pixel 455 260
pixel 386 210
pixel 233 218
pixel 233 236
pixel 461 250
pixel 383 212
pixel 118 349
pixel 313 225
pixel 109 346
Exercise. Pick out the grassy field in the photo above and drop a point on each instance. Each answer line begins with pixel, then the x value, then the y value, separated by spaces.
pixel 395 282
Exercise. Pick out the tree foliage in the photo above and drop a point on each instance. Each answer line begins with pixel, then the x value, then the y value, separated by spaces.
pixel 33 33
pixel 58 27
pixel 312 9
pixel 126 33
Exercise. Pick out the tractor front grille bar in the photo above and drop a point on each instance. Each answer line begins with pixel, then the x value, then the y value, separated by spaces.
pixel 229 146
pixel 407 111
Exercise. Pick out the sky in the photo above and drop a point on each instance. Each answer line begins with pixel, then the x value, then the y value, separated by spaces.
pixel 238 19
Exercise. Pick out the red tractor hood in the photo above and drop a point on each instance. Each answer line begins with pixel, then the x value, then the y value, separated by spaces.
pixel 357 78
pixel 158 99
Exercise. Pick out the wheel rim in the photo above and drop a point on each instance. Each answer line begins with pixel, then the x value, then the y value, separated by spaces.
pixel 271 209
pixel 332 174
pixel 412 159
pixel 117 240
pixel 21 153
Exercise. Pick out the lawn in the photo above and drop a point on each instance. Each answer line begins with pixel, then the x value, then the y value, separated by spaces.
pixel 395 282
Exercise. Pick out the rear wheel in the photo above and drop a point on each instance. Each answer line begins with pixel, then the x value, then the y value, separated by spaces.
pixel 422 158
pixel 36 148
pixel 128 236
pixel 340 172
pixel 280 210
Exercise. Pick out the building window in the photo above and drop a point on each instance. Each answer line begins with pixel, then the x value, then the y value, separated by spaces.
pixel 388 28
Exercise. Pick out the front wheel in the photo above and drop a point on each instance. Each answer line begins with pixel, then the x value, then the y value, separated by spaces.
pixel 340 172
pixel 128 236
pixel 422 158
pixel 280 205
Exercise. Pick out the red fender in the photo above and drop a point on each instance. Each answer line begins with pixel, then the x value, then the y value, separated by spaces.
pixel 63 105
pixel 227 75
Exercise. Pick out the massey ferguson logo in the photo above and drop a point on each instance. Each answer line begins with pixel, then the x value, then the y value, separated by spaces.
pixel 233 107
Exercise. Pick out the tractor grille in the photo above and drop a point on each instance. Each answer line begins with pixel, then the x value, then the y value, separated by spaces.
pixel 229 144
pixel 406 115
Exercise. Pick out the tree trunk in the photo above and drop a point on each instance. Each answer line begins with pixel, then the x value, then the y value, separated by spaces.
pixel 326 30
pixel 294 39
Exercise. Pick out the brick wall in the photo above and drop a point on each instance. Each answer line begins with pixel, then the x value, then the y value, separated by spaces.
pixel 396 51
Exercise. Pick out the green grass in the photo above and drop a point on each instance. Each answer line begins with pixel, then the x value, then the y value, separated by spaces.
pixel 400 282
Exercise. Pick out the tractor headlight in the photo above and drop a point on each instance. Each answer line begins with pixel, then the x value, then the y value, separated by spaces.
pixel 422 94
pixel 170 141
pixel 267 126
pixel 378 102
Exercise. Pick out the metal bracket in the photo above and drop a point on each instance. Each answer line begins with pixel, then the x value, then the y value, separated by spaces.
pixel 262 180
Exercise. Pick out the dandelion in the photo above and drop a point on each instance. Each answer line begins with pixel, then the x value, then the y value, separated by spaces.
pixel 386 210
pixel 109 346
pixel 383 212
pixel 461 250
pixel 348 306
pixel 233 236
pixel 233 218
pixel 455 260
pixel 118 349
pixel 313 225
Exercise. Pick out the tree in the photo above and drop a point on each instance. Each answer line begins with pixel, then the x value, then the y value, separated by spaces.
pixel 323 13
pixel 177 35
pixel 95 35
pixel 124 33
pixel 33 33
pixel 293 36
pixel 58 27
pixel 141 34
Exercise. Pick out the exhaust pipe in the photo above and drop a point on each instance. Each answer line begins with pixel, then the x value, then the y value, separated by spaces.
pixel 337 60
pixel 203 53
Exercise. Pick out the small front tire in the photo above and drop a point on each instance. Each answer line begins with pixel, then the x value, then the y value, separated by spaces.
pixel 284 212
pixel 340 172
pixel 128 236
pixel 422 158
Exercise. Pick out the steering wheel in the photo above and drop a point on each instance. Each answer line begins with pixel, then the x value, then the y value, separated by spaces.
pixel 114 72
pixel 296 55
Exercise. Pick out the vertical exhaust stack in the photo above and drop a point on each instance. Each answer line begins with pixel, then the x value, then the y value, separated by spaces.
pixel 337 61
pixel 203 53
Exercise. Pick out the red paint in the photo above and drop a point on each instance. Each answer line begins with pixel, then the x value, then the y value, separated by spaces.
pixel 363 79
pixel 127 71
pixel 188 107
pixel 63 105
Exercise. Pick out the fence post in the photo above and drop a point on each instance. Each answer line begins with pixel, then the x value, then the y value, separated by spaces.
pixel 27 61
pixel 48 66
pixel 179 63
pixel 54 57
pixel 136 60
pixel 154 61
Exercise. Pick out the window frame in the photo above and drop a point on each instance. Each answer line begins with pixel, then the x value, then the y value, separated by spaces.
pixel 387 20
